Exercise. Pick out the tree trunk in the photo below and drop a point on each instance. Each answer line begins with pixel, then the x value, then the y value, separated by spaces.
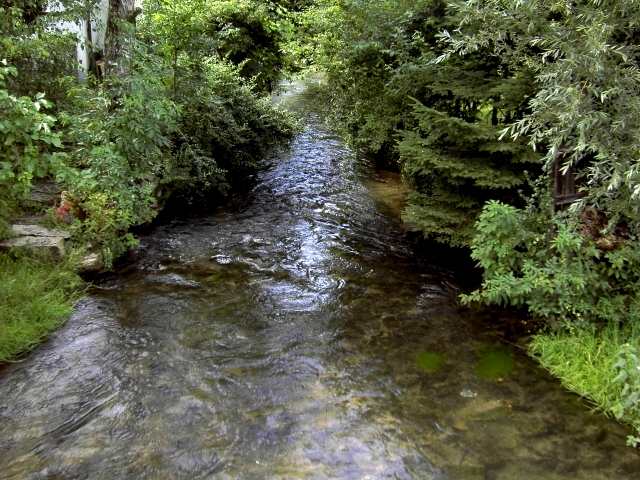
pixel 120 28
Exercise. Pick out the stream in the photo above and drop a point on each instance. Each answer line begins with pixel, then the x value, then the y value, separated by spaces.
pixel 295 335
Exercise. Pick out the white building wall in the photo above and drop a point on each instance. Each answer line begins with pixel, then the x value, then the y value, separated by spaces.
pixel 79 28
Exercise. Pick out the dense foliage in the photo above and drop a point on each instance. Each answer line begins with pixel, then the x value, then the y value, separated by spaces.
pixel 585 58
pixel 580 264
pixel 441 120
pixel 478 101
pixel 186 118
pixel 178 113
pixel 576 268
pixel 43 55
pixel 250 34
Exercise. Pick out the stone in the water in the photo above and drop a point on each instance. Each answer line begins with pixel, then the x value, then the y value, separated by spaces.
pixel 174 280
pixel 222 259
pixel 91 263
pixel 478 409
pixel 468 393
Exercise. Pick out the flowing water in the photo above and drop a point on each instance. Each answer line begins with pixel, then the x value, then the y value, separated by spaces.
pixel 297 336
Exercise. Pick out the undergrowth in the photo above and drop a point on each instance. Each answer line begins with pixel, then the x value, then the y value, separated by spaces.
pixel 36 297
pixel 600 364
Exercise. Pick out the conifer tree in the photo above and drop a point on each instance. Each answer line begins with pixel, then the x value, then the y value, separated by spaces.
pixel 454 155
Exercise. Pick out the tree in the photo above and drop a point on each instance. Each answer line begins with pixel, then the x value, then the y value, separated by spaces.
pixel 585 58
pixel 119 35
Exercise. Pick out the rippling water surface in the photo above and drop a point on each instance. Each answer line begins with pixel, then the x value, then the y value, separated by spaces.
pixel 295 337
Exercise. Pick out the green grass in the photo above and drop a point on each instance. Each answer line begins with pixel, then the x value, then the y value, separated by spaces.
pixel 36 297
pixel 584 360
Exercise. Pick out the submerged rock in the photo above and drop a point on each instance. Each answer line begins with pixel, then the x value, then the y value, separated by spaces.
pixel 479 409
pixel 468 393
pixel 173 280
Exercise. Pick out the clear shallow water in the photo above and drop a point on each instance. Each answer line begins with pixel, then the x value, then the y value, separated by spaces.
pixel 295 337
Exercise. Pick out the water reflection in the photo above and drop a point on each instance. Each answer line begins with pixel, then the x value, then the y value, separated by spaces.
pixel 296 336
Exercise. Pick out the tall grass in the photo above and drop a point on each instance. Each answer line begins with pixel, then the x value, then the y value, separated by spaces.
pixel 584 360
pixel 36 297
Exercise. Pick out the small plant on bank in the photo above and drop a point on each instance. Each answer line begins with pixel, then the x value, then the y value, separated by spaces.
pixel 558 274
pixel 627 369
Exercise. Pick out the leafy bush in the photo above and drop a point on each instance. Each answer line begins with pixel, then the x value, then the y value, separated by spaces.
pixel 42 53
pixel 120 149
pixel 225 126
pixel 559 274
pixel 627 368
pixel 29 145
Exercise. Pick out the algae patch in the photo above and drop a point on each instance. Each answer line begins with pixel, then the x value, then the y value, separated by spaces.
pixel 494 363
pixel 429 362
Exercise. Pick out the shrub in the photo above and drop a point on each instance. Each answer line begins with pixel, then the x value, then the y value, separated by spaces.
pixel 120 151
pixel 225 128
pixel 558 273
pixel 29 144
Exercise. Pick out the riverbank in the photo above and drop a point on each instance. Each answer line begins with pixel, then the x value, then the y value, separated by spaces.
pixel 36 298
pixel 165 110
pixel 600 364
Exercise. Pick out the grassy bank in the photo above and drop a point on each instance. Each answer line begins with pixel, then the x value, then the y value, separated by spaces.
pixel 36 297
pixel 601 365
